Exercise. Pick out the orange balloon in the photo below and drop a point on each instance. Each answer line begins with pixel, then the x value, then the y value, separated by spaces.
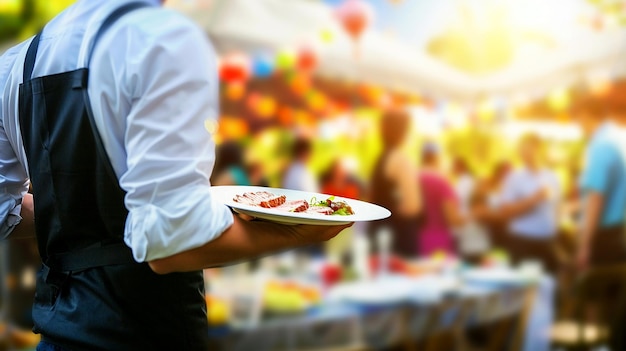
pixel 253 101
pixel 266 107
pixel 235 91
pixel 285 116
pixel 316 101
pixel 300 84
pixel 355 16
pixel 307 59
pixel 232 128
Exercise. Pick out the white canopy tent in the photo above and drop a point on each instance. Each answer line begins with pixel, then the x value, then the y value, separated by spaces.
pixel 268 25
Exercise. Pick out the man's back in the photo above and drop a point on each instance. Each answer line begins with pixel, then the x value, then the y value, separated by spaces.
pixel 152 84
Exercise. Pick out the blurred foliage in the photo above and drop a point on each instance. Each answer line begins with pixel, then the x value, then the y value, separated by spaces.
pixel 20 19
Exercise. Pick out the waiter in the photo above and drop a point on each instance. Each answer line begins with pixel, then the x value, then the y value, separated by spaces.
pixel 103 113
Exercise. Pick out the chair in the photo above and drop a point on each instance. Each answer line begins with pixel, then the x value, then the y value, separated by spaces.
pixel 604 289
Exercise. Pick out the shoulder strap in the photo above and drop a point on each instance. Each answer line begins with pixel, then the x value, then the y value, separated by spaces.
pixel 31 55
pixel 112 18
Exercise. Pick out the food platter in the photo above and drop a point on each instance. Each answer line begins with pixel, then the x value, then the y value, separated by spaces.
pixel 362 211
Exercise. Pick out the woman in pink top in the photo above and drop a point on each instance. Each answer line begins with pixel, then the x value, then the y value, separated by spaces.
pixel 441 209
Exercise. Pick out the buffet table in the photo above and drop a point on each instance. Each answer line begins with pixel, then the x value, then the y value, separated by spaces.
pixel 354 317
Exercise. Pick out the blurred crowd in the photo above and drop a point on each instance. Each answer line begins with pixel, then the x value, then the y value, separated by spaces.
pixel 521 207
pixel 440 204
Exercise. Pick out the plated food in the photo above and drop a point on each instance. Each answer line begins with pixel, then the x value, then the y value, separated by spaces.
pixel 287 206
pixel 265 199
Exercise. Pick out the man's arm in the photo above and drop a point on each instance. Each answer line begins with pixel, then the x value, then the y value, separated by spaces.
pixel 512 205
pixel 592 210
pixel 26 228
pixel 13 178
pixel 404 174
pixel 595 184
pixel 245 240
pixel 522 206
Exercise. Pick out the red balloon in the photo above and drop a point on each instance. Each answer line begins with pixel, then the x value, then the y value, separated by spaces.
pixel 234 68
pixel 355 16
pixel 307 59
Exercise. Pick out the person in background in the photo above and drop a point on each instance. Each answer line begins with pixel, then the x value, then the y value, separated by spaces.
pixel 393 185
pixel 603 206
pixel 603 191
pixel 464 182
pixel 473 235
pixel 229 165
pixel 529 200
pixel 492 188
pixel 298 175
pixel 338 181
pixel 442 212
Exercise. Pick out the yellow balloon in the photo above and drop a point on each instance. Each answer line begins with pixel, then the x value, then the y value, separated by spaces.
pixel 327 36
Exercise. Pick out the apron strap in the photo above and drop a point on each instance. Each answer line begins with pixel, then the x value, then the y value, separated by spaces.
pixel 31 56
pixel 91 257
pixel 112 18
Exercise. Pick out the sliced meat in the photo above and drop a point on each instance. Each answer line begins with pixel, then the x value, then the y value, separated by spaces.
pixel 323 210
pixel 261 198
pixel 294 206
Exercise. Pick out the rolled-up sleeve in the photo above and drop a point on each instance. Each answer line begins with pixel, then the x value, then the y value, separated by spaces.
pixel 13 185
pixel 170 155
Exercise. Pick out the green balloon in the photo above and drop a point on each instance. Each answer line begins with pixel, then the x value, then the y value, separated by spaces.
pixel 286 59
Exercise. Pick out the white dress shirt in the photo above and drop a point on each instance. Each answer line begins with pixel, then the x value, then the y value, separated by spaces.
pixel 153 84
pixel 541 221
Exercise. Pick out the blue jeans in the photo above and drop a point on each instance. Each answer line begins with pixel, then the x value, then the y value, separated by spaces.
pixel 46 346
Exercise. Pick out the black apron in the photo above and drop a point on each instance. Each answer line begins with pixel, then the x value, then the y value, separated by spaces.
pixel 91 294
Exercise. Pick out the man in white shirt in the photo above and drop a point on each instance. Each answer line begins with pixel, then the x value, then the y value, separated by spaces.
pixel 149 90
pixel 529 200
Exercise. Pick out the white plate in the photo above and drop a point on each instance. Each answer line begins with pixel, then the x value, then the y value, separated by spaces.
pixel 363 211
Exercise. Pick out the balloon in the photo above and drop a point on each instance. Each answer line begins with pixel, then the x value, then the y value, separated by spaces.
pixel 285 116
pixel 307 59
pixel 266 107
pixel 234 68
pixel 316 101
pixel 253 101
pixel 300 84
pixel 262 66
pixel 327 36
pixel 355 16
pixel 286 59
pixel 232 128
pixel 235 91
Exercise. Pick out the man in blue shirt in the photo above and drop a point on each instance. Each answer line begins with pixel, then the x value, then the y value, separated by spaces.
pixel 603 185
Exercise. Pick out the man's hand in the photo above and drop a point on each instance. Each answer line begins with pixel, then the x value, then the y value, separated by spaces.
pixel 541 195
pixel 313 234
pixel 246 240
